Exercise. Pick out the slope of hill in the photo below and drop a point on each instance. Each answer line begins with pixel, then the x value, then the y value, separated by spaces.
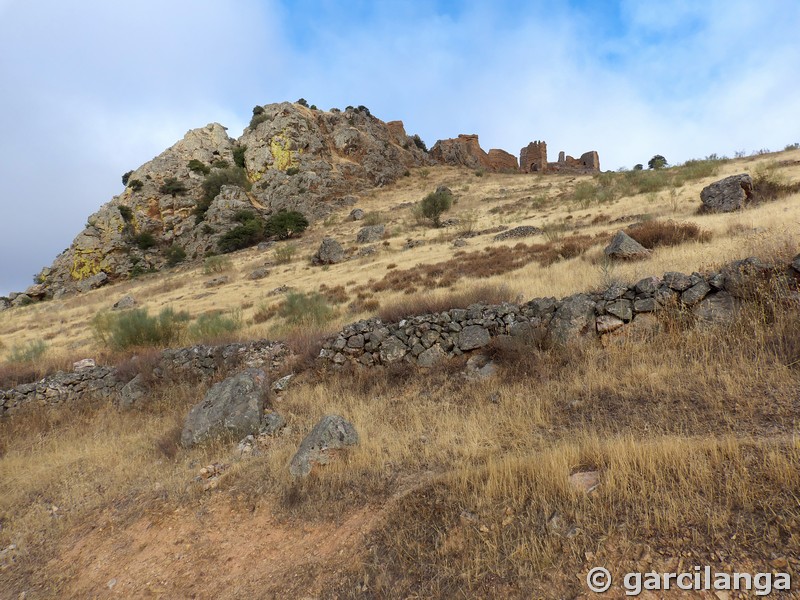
pixel 657 453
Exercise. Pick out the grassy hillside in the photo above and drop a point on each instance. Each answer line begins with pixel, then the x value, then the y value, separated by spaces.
pixel 460 488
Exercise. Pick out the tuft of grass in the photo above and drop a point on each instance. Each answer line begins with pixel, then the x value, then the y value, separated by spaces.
pixel 215 325
pixel 428 303
pixel 306 309
pixel 135 328
pixel 217 264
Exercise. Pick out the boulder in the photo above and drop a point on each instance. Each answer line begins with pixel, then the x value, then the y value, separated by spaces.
pixel 235 406
pixel 259 273
pixel 331 434
pixel 21 300
pixel 624 247
pixel 93 282
pixel 370 234
pixel 133 393
pixel 330 252
pixel 355 215
pixel 575 317
pixel 273 424
pixel 124 303
pixel 727 195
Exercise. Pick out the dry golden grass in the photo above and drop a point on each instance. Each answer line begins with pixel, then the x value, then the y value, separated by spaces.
pixel 693 434
pixel 460 487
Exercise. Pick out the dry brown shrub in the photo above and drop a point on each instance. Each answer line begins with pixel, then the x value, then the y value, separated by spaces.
pixel 652 234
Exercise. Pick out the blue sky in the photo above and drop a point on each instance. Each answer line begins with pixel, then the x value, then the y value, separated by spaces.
pixel 92 88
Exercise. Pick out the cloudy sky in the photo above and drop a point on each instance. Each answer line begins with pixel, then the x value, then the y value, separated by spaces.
pixel 91 88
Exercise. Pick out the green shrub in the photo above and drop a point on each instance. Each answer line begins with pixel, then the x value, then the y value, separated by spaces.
pixel 284 254
pixel 126 213
pixel 419 143
pixel 657 162
pixel 216 264
pixel 126 177
pixel 245 235
pixel 144 240
pixel 27 352
pixel 306 309
pixel 292 171
pixel 214 325
pixel 302 102
pixel 133 328
pixel 198 167
pixel 238 156
pixel 285 224
pixel 220 163
pixel 173 187
pixel 135 184
pixel 213 183
pixel 434 204
pixel 258 118
pixel 175 254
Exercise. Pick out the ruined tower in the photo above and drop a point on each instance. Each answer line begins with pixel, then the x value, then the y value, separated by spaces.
pixel 533 158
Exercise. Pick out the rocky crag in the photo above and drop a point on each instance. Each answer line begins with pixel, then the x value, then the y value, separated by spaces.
pixel 180 204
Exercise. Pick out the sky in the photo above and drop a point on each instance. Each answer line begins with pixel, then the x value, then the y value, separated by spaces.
pixel 91 89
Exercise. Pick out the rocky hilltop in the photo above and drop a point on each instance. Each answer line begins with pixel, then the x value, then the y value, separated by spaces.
pixel 180 204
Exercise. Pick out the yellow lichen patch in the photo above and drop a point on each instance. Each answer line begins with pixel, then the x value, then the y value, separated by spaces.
pixel 85 264
pixel 283 158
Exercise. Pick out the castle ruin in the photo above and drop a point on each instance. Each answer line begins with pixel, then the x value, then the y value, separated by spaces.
pixel 533 159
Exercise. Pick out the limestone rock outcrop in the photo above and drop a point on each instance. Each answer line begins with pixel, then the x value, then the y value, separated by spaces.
pixel 466 151
pixel 290 157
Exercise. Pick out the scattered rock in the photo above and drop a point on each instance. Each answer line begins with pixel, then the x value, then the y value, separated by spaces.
pixel 413 244
pixel 624 247
pixel 259 273
pixel 727 195
pixel 330 252
pixel 461 242
pixel 479 367
pixel 235 405
pixel 84 364
pixel 264 246
pixel 124 303
pixel 518 232
pixel 332 433
pixel 356 214
pixel 585 481
pixel 282 384
pixel 217 281
pixel 370 234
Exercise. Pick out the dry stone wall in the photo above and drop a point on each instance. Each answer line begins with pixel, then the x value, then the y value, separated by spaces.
pixel 195 362
pixel 426 339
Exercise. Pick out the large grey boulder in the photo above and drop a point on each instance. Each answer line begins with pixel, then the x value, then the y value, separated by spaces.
pixel 332 433
pixel 575 317
pixel 624 247
pixel 370 234
pixel 330 252
pixel 727 195
pixel 234 406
